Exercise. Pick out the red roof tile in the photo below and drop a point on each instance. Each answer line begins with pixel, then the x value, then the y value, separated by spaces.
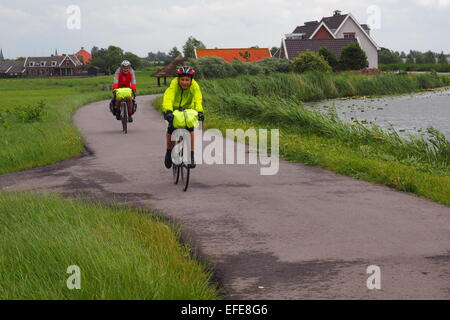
pixel 228 55
pixel 86 55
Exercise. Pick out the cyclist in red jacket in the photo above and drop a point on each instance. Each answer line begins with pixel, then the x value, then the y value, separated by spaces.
pixel 124 78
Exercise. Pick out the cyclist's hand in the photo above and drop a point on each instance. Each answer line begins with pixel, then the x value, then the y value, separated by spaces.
pixel 201 117
pixel 134 94
pixel 168 115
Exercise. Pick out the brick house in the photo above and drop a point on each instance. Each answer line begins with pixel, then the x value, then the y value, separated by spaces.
pixel 58 66
pixel 334 33
pixel 64 65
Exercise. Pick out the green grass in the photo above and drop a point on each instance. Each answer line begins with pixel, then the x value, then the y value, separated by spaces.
pixel 122 253
pixel 367 153
pixel 27 140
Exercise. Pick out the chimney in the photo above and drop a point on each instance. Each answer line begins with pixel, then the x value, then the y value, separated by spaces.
pixel 337 13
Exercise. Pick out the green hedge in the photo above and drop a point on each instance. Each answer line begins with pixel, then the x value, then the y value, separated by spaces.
pixel 215 67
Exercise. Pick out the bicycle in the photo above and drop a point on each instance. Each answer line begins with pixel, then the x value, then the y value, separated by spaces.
pixel 180 169
pixel 123 111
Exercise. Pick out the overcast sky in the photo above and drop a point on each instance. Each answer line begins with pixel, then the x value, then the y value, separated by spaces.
pixel 36 28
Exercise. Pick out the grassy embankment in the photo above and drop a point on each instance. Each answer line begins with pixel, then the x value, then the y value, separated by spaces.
pixel 121 253
pixel 363 152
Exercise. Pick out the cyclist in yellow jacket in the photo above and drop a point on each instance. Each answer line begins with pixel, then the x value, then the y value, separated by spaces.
pixel 183 92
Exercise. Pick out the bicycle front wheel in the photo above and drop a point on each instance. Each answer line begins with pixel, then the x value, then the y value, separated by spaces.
pixel 124 115
pixel 185 175
pixel 176 173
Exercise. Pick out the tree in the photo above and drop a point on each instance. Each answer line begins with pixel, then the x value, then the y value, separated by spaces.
pixel 353 58
pixel 442 58
pixel 386 56
pixel 310 61
pixel 429 57
pixel 409 58
pixel 190 45
pixel 109 59
pixel 419 58
pixel 134 59
pixel 274 50
pixel 329 57
pixel 174 53
pixel 94 50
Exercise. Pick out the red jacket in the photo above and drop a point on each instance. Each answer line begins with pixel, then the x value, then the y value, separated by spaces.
pixel 122 80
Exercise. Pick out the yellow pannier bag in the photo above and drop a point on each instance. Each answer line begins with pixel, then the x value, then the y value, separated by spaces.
pixel 123 93
pixel 187 118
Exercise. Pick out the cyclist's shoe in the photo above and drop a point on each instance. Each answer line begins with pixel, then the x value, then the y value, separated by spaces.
pixel 130 119
pixel 168 159
pixel 192 165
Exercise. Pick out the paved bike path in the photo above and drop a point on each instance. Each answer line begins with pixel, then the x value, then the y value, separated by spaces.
pixel 303 233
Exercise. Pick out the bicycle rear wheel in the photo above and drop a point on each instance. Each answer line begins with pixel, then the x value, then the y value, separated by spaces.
pixel 124 115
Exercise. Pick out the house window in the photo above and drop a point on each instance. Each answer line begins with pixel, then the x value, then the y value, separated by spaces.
pixel 42 63
pixel 54 63
pixel 349 35
pixel 31 63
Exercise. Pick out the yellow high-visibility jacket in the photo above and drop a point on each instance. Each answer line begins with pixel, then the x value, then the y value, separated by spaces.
pixel 175 97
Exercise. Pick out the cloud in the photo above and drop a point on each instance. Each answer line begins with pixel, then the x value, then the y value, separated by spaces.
pixel 142 26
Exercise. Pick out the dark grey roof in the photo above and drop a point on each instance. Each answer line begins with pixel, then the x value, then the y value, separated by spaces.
pixel 308 29
pixel 335 21
pixel 11 67
pixel 58 60
pixel 4 65
pixel 295 47
pixel 17 67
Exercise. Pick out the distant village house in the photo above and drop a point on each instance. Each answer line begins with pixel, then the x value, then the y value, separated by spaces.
pixel 55 65
pixel 334 33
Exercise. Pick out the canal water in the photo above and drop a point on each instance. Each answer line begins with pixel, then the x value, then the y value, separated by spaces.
pixel 408 114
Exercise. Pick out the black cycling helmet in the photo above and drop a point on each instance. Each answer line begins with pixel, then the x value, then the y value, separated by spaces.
pixel 186 71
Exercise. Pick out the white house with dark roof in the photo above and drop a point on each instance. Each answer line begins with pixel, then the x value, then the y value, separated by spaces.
pixel 334 33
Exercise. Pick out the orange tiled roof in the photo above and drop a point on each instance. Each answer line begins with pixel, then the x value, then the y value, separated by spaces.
pixel 228 55
pixel 86 55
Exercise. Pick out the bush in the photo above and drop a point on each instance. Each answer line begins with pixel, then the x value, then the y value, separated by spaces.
pixel 310 61
pixel 31 113
pixel 353 58
pixel 271 65
pixel 212 67
pixel 330 57
pixel 215 67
